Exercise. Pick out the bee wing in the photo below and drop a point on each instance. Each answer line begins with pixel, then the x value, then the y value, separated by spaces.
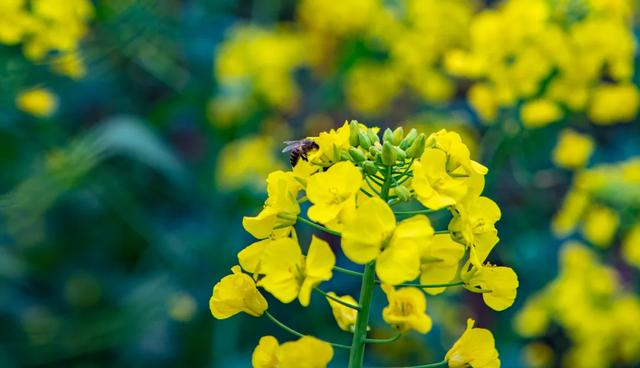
pixel 291 145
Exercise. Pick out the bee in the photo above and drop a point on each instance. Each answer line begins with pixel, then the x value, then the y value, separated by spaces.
pixel 299 149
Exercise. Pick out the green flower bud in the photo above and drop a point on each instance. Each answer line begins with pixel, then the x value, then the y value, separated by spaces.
pixel 364 140
pixel 417 148
pixel 400 153
pixel 373 151
pixel 370 168
pixel 409 139
pixel 387 136
pixel 344 156
pixel 354 130
pixel 373 137
pixel 403 193
pixel 356 154
pixel 398 134
pixel 389 154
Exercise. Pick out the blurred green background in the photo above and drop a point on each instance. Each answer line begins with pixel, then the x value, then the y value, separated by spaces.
pixel 135 134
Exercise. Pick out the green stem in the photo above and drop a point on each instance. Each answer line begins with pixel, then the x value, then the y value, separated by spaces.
pixel 294 332
pixel 318 226
pixel 347 271
pixel 337 300
pixel 384 341
pixel 356 355
pixel 441 232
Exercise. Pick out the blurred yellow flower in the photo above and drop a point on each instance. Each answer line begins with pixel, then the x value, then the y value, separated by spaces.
pixel 484 102
pixel 38 102
pixel 306 352
pixel 236 293
pixel 573 149
pixel 614 103
pixel 539 113
pixel 407 309
pixel 631 246
pixel 600 225
pixel 475 348
pixel 289 274
pixel 345 316
pixel 373 234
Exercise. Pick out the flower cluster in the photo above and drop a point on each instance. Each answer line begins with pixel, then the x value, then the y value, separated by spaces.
pixel 351 182
pixel 586 300
pixel 604 201
pixel 551 57
pixel 540 58
pixel 44 27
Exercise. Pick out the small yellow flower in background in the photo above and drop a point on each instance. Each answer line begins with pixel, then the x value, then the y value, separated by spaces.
pixel 539 113
pixel 600 225
pixel 538 355
pixel 475 348
pixel 306 352
pixel 333 194
pixel 38 102
pixel 373 234
pixel 236 293
pixel 237 165
pixel 345 316
pixel 631 246
pixel 289 274
pixel 573 149
pixel 182 307
pixel 498 285
pixel 281 208
pixel 439 261
pixel 614 104
pixel 533 319
pixel 484 102
pixel 570 213
pixel 407 309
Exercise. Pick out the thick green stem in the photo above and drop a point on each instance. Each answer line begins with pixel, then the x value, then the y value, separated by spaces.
pixel 356 356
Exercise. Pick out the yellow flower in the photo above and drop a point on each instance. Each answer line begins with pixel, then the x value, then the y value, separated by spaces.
pixel 600 225
pixel 539 113
pixel 631 246
pixel 498 285
pixel 330 144
pixel 614 103
pixel 288 274
pixel 281 208
pixel 573 149
pixel 345 316
pixel 407 309
pixel 439 261
pixel 306 352
pixel 250 258
pixel 38 102
pixel 473 224
pixel 373 234
pixel 483 99
pixel 236 293
pixel 458 155
pixel 333 193
pixel 433 185
pixel 475 348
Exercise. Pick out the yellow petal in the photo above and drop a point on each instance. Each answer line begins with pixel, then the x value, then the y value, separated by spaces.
pixel 265 355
